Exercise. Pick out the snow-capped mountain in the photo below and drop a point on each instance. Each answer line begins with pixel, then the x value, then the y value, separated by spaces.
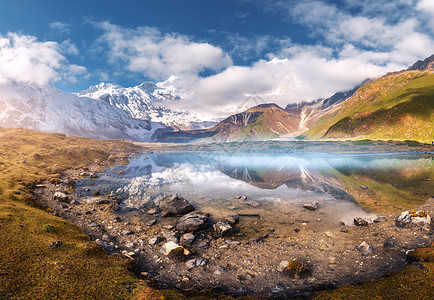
pixel 46 108
pixel 147 101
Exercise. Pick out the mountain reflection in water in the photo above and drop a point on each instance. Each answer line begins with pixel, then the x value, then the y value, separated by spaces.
pixel 208 179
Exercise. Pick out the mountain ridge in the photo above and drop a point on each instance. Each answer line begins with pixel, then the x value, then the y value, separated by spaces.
pixel 397 105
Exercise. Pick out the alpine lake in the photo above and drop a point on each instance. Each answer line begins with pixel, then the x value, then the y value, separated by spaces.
pixel 268 191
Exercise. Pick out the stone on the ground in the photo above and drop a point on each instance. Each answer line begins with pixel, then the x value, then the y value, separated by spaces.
pixel 364 248
pixel 204 245
pixel 196 262
pixel 130 245
pixel 93 225
pixel 174 251
pixel 232 219
pixel 171 236
pixel 56 244
pixel 258 239
pixel 153 211
pixel 413 218
pixel 223 228
pixel 219 271
pixel 193 221
pixel 283 264
pixel 380 219
pixel 175 206
pixel 107 237
pixel 390 243
pixel 106 246
pixel 232 242
pixel 60 197
pixel 155 240
pixel 127 232
pixel 151 222
pixel 187 238
pixel 360 222
pixel 311 206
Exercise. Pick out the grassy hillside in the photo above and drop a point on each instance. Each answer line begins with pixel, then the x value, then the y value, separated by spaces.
pixel 396 106
pixel 29 268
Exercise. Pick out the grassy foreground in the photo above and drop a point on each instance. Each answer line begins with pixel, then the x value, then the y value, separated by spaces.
pixel 79 269
pixel 29 267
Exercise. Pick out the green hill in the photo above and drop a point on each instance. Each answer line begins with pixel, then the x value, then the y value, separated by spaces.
pixel 396 106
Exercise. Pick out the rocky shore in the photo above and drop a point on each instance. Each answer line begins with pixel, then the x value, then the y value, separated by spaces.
pixel 177 246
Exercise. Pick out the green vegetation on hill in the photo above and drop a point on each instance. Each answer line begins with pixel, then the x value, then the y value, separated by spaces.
pixel 396 106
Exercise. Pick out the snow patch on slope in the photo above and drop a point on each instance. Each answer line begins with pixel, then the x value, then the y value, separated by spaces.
pixel 48 109
pixel 147 101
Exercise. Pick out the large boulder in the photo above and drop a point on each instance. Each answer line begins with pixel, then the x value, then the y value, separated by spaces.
pixel 193 221
pixel 413 218
pixel 175 206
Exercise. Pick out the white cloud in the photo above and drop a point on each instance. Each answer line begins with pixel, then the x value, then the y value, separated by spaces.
pixel 60 27
pixel 427 8
pixel 23 58
pixel 355 40
pixel 146 50
pixel 304 76
pixel 69 47
pixel 426 5
pixel 352 49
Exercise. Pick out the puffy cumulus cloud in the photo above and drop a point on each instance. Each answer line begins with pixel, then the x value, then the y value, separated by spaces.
pixel 156 55
pixel 353 47
pixel 305 74
pixel 427 9
pixel 367 30
pixel 426 5
pixel 24 59
pixel 353 41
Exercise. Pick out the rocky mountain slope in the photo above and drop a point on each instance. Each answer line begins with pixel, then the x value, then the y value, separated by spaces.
pixel 47 109
pixel 398 106
pixel 260 122
pixel 263 121
pixel 104 111
pixel 146 101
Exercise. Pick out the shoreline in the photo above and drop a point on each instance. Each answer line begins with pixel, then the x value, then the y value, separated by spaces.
pixel 166 280
pixel 294 147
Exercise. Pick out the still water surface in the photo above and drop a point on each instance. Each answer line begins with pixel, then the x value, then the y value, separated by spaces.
pixel 276 185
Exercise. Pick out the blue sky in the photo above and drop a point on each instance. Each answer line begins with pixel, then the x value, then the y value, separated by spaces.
pixel 221 51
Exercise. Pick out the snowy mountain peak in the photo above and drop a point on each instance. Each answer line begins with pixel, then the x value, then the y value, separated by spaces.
pixel 147 101
pixel 28 90
pixel 48 109
pixel 147 86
